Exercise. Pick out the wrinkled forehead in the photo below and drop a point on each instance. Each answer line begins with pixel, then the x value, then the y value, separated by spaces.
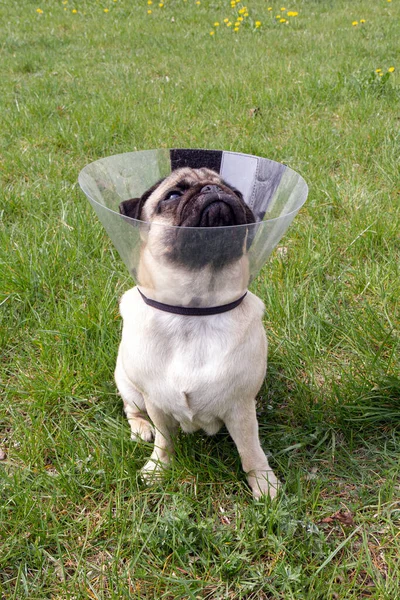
pixel 187 177
pixel 183 178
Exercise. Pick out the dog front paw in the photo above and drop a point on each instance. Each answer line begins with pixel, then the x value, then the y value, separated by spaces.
pixel 153 471
pixel 263 483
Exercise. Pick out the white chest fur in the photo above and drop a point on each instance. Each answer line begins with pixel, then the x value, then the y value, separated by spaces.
pixel 193 368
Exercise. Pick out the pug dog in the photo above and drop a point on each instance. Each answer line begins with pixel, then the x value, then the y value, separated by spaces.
pixel 194 371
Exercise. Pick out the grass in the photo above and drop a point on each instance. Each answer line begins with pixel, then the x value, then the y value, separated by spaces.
pixel 76 522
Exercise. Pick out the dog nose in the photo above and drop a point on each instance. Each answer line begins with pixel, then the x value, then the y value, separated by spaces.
pixel 207 189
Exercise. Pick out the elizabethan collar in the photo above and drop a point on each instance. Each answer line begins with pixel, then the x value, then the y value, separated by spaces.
pixel 274 192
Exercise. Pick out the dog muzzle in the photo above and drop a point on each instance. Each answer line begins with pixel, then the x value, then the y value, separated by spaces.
pixel 211 258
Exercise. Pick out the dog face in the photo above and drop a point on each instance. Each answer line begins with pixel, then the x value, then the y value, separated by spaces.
pixel 200 200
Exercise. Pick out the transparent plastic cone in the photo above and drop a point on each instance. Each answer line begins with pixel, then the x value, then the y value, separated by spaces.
pixel 208 276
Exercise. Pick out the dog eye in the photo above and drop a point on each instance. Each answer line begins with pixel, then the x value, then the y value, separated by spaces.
pixel 173 194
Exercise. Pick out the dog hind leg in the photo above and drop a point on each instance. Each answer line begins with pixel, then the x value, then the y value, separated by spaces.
pixel 134 406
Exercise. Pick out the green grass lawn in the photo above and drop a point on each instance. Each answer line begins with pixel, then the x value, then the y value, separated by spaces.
pixel 76 522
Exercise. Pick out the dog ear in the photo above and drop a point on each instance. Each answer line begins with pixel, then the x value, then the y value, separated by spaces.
pixel 250 218
pixel 132 208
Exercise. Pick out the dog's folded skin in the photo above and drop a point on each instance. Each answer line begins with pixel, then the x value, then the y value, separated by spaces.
pixel 197 372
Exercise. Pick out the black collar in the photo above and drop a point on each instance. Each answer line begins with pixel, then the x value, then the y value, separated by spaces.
pixel 192 311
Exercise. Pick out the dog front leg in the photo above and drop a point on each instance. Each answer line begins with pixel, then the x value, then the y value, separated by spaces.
pixel 243 428
pixel 165 427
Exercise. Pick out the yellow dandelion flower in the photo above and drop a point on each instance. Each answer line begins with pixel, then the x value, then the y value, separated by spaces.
pixel 216 24
pixel 198 2
pixel 283 8
pixel 106 10
pixel 149 2
pixel 229 24
pixel 65 1
pixel 355 23
pixel 212 32
pixel 237 24
pixel 389 0
pixel 269 7
pixel 292 13
pixel 257 24
pixel 160 5
pixel 380 74
pixel 39 11
pixel 242 11
pixel 378 70
pixel 278 17
pixel 74 11
pixel 391 69
pixel 240 19
pixel 226 20
pixel 282 20
pixel 246 14
pixel 149 12
pixel 236 29
pixel 362 20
